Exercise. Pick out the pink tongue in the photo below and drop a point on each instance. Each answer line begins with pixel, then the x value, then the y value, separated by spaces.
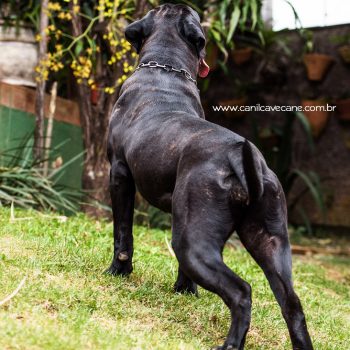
pixel 203 68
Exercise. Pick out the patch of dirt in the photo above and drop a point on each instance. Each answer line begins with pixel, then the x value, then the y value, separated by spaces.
pixel 13 247
pixel 337 274
pixel 334 274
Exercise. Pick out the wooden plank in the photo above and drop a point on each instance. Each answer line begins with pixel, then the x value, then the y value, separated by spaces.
pixel 306 250
pixel 23 98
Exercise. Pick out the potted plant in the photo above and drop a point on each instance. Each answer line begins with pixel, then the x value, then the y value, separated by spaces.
pixel 343 42
pixel 343 107
pixel 315 110
pixel 274 54
pixel 236 103
pixel 241 55
pixel 316 64
pixel 224 18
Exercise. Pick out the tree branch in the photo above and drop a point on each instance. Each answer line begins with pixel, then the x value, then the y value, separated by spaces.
pixel 83 91
pixel 40 87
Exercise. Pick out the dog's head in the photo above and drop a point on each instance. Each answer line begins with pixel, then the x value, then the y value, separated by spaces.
pixel 167 18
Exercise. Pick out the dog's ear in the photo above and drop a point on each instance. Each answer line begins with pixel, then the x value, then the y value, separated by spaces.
pixel 191 30
pixel 138 31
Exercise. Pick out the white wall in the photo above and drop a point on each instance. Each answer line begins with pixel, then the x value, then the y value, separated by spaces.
pixel 312 13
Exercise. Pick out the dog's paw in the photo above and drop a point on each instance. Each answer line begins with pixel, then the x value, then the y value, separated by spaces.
pixel 224 347
pixel 119 269
pixel 188 288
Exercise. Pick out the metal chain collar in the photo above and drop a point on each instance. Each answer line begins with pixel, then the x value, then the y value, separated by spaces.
pixel 168 68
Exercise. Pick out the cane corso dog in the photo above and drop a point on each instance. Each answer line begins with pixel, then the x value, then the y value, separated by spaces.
pixel 210 179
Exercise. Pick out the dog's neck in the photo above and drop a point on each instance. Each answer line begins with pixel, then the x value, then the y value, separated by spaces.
pixel 162 49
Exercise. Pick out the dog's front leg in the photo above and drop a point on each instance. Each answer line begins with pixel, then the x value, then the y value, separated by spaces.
pixel 122 190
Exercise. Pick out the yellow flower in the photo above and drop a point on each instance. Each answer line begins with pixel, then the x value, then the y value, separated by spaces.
pixel 64 16
pixel 38 37
pixel 53 6
pixel 58 34
pixel 109 90
pixel 76 8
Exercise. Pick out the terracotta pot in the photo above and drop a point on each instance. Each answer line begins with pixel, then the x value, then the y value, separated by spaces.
pixel 317 119
pixel 344 52
pixel 237 102
pixel 343 109
pixel 317 65
pixel 241 56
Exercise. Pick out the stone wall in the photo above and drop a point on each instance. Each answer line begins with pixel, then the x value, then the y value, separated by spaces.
pixel 281 80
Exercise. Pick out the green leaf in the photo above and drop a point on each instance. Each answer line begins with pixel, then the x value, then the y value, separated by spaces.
pixel 216 35
pixel 79 46
pixel 233 23
pixel 314 188
pixel 244 15
pixel 306 125
pixel 305 218
pixel 254 13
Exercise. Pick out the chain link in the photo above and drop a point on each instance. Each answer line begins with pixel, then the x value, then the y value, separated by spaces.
pixel 168 68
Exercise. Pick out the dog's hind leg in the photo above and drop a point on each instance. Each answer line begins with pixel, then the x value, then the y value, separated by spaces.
pixel 198 239
pixel 202 262
pixel 272 252
pixel 122 190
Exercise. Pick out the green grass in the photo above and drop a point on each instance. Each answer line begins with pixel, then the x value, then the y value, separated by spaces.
pixel 67 303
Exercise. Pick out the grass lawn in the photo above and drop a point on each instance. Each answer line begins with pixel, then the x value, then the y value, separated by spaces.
pixel 67 303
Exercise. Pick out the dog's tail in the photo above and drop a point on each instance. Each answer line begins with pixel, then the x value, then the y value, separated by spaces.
pixel 248 167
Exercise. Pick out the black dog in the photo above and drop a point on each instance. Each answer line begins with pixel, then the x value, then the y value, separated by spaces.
pixel 211 180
